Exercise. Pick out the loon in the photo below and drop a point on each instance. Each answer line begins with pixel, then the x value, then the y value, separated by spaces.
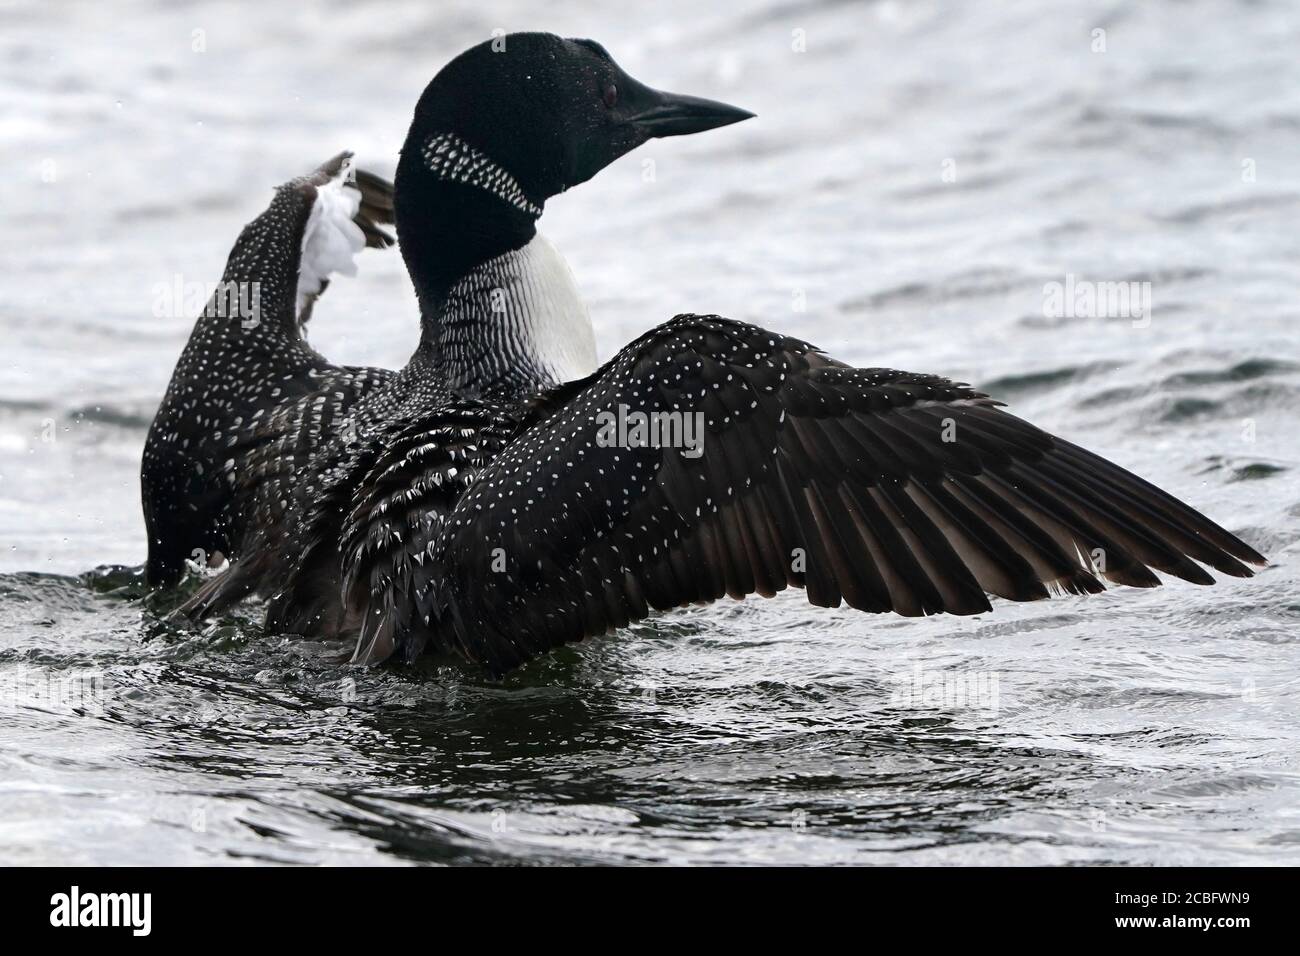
pixel 252 409
pixel 709 458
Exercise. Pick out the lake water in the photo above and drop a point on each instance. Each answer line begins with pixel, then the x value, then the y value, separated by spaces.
pixel 918 175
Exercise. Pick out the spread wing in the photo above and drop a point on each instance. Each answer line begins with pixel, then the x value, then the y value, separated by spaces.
pixel 398 509
pixel 887 490
pixel 363 564
pixel 277 403
pixel 277 466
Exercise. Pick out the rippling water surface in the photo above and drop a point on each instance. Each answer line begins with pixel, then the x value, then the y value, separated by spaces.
pixel 914 179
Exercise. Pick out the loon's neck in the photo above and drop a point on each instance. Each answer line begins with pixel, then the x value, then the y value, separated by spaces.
pixel 500 312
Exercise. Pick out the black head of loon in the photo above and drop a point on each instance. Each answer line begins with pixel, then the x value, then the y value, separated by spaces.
pixel 505 126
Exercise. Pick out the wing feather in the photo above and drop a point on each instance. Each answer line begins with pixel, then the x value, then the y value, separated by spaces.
pixel 885 490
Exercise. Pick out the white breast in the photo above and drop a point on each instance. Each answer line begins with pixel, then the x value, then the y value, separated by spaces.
pixel 552 318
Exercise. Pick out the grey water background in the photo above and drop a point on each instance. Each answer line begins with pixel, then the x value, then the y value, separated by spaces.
pixel 1134 727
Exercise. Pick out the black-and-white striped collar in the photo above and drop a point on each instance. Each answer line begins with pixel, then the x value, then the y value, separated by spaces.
pixel 451 158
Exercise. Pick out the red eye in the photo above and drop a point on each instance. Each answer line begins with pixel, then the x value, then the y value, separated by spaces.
pixel 611 96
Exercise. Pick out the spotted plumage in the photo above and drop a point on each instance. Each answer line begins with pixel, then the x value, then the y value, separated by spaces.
pixel 238 367
pixel 482 501
pixel 501 317
pixel 885 490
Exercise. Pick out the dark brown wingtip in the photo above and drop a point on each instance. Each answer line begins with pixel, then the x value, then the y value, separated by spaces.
pixel 1248 554
pixel 376 194
pixel 376 198
pixel 376 207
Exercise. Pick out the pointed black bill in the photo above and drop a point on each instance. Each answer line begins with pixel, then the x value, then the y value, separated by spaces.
pixel 672 114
